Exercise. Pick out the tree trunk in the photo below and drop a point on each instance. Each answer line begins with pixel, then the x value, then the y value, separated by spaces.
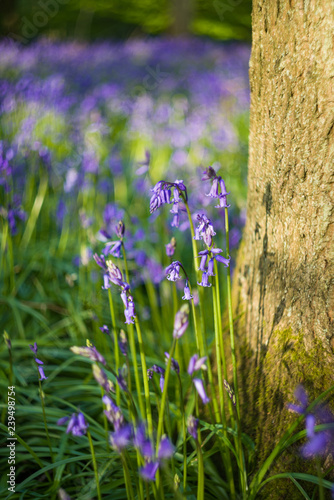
pixel 285 269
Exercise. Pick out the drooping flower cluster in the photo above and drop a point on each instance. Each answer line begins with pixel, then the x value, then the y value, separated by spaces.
pixel 173 274
pixel 112 274
pixel 162 193
pixel 34 349
pixel 146 449
pixel 207 270
pixel 125 434
pixel 318 442
pixel 196 364
pixel 77 424
pixel 217 182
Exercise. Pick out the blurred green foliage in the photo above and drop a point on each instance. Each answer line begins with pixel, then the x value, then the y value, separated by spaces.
pixel 90 20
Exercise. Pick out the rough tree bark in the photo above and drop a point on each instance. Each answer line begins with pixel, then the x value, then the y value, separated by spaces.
pixel 284 277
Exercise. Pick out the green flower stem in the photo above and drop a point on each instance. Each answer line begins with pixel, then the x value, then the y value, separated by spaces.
pixel 221 362
pixel 200 484
pixel 105 421
pixel 113 324
pixel 145 378
pixel 133 347
pixel 135 368
pixel 195 253
pixel 184 431
pixel 230 317
pixel 164 394
pixel 41 393
pixel 203 350
pixel 94 465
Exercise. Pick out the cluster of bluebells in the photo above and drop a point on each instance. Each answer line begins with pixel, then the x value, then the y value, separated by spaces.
pixel 113 275
pixel 125 434
pixel 218 189
pixel 162 193
pixel 173 274
pixel 208 267
pixel 318 442
pixel 34 349
pixel 77 424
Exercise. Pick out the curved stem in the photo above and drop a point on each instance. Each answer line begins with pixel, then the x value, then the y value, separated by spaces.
pixel 94 465
pixel 145 378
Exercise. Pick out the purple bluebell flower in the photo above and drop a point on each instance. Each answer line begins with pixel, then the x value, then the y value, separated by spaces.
pixel 129 311
pixel 121 438
pixel 214 188
pixel 114 274
pixel 174 364
pixel 77 425
pixel 120 229
pixel 113 248
pixel 204 258
pixel 155 369
pixel 105 329
pixel 34 347
pixel 166 449
pixel 192 426
pixel 162 382
pixel 89 352
pixel 187 295
pixel 173 271
pixel 209 174
pixel 317 442
pixel 196 363
pixel 141 443
pixel 301 395
pixel 102 379
pixel 170 247
pixel 148 472
pixel 210 268
pixel 200 389
pixel 205 281
pixel 222 202
pixel 181 321
pixel 123 343
pixel 39 362
pixel 121 378
pixel 42 374
pixel 204 230
pixel 100 261
pixel 176 220
pixel 113 413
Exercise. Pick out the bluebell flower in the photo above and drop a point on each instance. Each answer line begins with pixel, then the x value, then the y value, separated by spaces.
pixel 196 364
pixel 105 329
pixel 102 379
pixel 187 295
pixel 174 364
pixel 121 438
pixel 113 413
pixel 141 443
pixel 166 449
pixel 173 271
pixel 192 426
pixel 181 321
pixel 89 352
pixel 148 472
pixel 200 389
pixel 170 247
pixel 42 374
pixel 123 343
pixel 205 280
pixel 34 348
pixel 77 425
